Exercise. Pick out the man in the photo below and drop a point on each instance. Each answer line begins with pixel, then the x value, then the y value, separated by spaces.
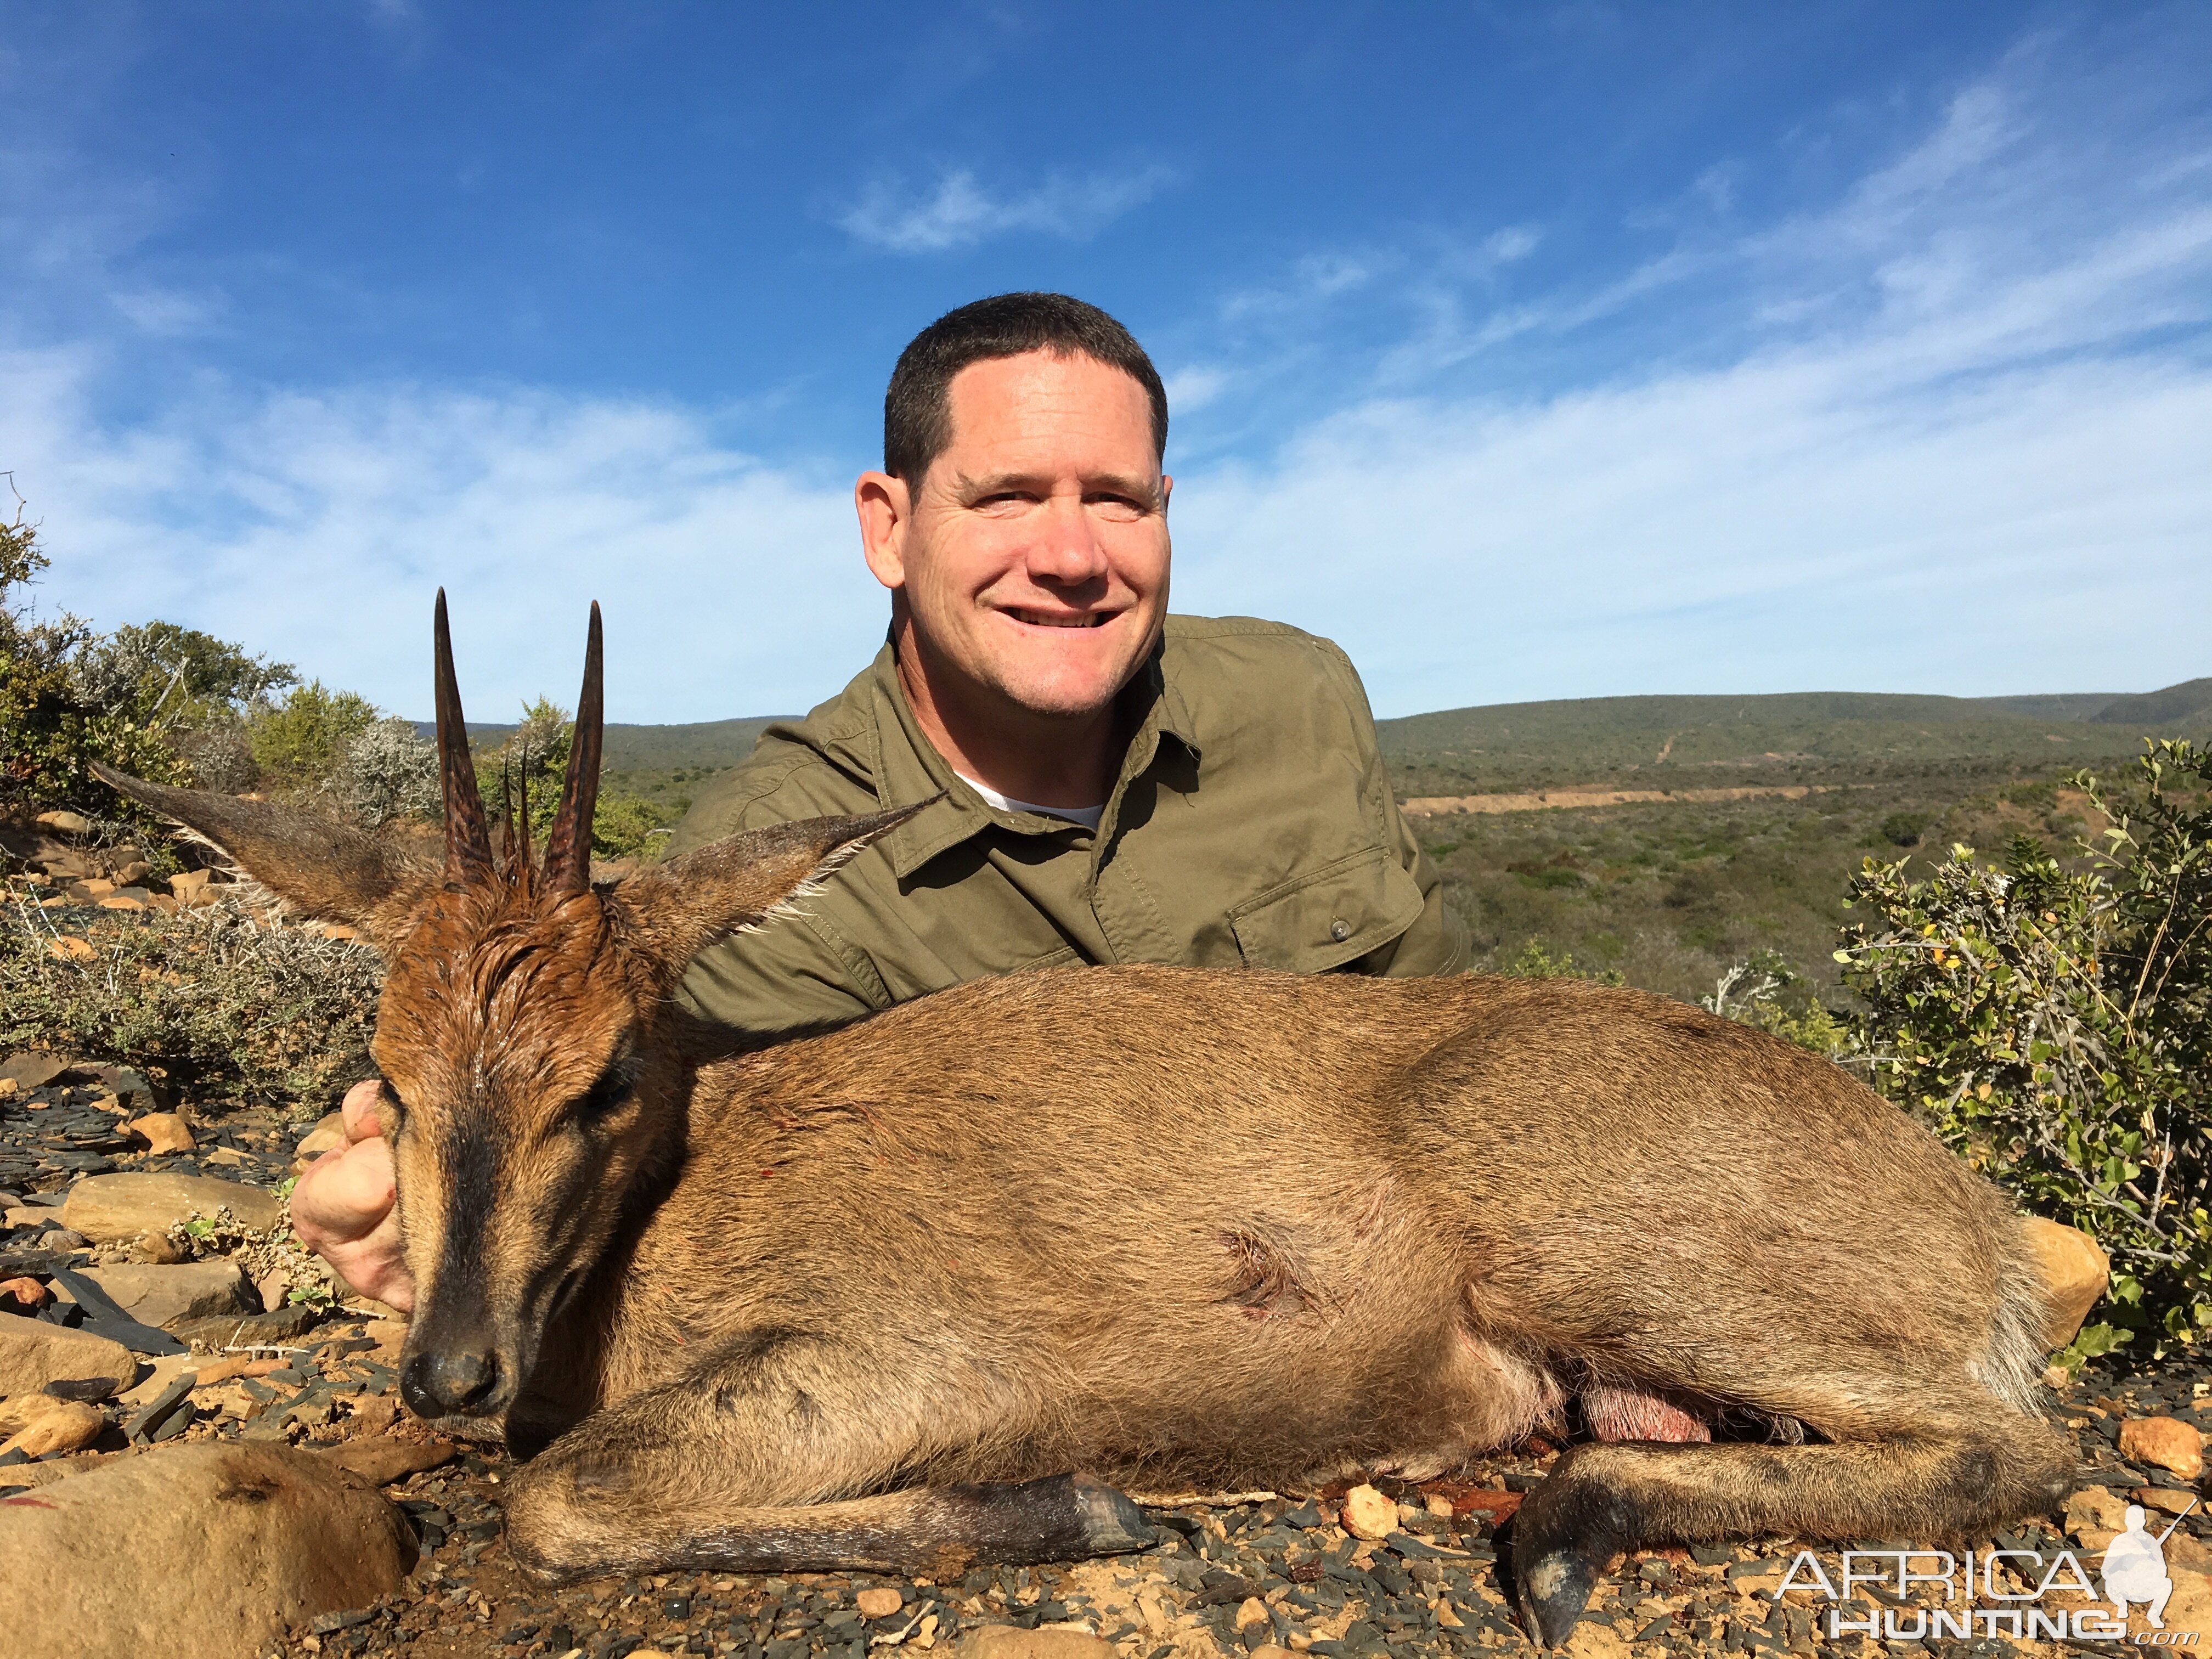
pixel 1116 785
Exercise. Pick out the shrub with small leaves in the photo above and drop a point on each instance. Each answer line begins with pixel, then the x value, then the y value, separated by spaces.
pixel 2054 1025
pixel 208 998
pixel 386 771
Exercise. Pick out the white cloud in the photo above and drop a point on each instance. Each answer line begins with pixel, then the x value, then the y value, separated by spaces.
pixel 960 212
pixel 316 529
pixel 1958 447
pixel 1192 389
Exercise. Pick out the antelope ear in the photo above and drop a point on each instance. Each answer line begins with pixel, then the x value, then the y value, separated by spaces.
pixel 326 870
pixel 673 911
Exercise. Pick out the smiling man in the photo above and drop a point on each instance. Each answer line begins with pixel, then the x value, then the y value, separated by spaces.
pixel 1120 785
pixel 1117 785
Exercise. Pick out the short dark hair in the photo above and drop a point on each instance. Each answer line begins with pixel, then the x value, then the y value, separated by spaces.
pixel 917 416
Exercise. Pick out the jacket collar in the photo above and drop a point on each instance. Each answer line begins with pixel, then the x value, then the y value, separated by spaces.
pixel 890 748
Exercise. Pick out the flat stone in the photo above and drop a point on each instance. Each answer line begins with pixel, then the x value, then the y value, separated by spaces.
pixel 1046 1642
pixel 256 1540
pixel 23 1296
pixel 32 1071
pixel 2164 1441
pixel 247 1330
pixel 65 823
pixel 39 1425
pixel 160 1296
pixel 33 1353
pixel 382 1459
pixel 2074 1270
pixel 162 1132
pixel 880 1602
pixel 111 1208
pixel 1368 1514
pixel 326 1136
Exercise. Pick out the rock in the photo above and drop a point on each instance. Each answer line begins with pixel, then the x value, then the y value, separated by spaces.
pixel 880 1602
pixel 160 1249
pixel 133 873
pixel 68 824
pixel 2166 1441
pixel 254 1539
pixel 271 1289
pixel 2094 1515
pixel 229 1156
pixel 2073 1272
pixel 33 1353
pixel 189 885
pixel 23 1296
pixel 32 1071
pixel 380 1459
pixel 1369 1514
pixel 1046 1642
pixel 70 948
pixel 160 1374
pixel 326 1136
pixel 39 1425
pixel 1439 1506
pixel 109 1209
pixel 247 1330
pixel 1250 1611
pixel 160 1296
pixel 162 1132
pixel 2167 1498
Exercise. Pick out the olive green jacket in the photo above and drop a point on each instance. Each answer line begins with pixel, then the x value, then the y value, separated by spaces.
pixel 1252 823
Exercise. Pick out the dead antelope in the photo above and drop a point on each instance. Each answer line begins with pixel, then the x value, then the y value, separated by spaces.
pixel 865 1300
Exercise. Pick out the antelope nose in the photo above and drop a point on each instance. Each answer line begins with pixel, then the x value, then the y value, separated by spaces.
pixel 449 1383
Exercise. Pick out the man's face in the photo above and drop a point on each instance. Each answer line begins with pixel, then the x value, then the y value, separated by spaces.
pixel 1033 560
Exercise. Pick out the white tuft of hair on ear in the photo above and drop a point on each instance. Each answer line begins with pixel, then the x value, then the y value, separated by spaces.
pixel 791 905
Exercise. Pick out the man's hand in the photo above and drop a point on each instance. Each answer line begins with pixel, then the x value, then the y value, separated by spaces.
pixel 343 1209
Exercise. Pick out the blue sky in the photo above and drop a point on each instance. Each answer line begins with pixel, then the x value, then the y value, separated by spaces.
pixel 1529 350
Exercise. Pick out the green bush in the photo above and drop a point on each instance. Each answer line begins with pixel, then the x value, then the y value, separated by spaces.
pixel 299 743
pixel 207 1000
pixel 2052 1022
pixel 50 730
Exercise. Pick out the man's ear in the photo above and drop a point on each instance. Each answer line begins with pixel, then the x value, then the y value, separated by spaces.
pixel 326 870
pixel 672 911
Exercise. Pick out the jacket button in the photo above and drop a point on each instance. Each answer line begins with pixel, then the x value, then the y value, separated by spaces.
pixel 1339 930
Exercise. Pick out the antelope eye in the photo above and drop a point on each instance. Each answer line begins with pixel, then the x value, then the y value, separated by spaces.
pixel 613 1088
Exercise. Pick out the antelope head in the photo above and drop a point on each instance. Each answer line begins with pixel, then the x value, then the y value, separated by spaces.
pixel 525 1093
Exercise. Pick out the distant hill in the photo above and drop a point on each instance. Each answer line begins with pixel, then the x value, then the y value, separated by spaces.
pixel 710 745
pixel 1589 739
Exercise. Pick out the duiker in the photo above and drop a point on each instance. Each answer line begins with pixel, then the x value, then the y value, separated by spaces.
pixel 905 1295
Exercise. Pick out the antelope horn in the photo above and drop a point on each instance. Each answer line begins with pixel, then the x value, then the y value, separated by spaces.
pixel 468 835
pixel 568 844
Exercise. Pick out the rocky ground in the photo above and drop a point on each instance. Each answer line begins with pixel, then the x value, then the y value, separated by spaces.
pixel 145 1308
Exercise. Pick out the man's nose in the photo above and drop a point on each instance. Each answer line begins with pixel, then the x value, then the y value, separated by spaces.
pixel 1067 548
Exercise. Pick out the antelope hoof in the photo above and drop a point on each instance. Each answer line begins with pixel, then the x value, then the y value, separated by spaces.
pixel 1561 1550
pixel 1112 1523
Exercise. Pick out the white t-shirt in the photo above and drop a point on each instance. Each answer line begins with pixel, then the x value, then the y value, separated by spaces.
pixel 1088 816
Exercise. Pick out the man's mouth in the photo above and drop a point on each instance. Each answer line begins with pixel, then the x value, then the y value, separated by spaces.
pixel 1062 619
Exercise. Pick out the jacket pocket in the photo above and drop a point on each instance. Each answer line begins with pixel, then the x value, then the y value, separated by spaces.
pixel 1329 917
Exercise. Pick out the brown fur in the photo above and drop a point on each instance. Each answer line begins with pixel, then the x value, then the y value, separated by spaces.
pixel 1171 1226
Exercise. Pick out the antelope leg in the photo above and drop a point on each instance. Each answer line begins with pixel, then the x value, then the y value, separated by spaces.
pixel 1936 1480
pixel 777 1457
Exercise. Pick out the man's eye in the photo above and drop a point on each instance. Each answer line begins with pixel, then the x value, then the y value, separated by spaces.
pixel 1118 508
